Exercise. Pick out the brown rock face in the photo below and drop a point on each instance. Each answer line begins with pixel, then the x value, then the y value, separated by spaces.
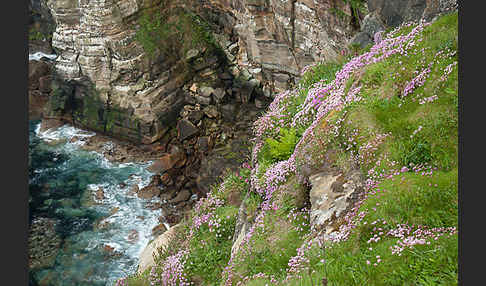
pixel 39 87
pixel 120 90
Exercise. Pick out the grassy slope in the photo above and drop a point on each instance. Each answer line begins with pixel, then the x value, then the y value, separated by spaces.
pixel 383 132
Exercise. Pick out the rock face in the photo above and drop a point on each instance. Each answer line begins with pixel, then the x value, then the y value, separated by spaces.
pixel 41 26
pixel 117 88
pixel 386 13
pixel 146 258
pixel 331 196
pixel 39 87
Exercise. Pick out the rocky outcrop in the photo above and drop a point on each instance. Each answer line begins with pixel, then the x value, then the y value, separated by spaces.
pixel 39 87
pixel 146 258
pixel 41 26
pixel 333 193
pixel 44 243
pixel 385 13
pixel 121 90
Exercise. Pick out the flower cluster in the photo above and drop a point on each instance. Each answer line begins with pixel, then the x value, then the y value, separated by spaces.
pixel 417 81
pixel 172 271
pixel 447 71
pixel 428 99
pixel 407 238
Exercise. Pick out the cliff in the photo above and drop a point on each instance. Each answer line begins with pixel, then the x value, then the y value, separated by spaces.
pixel 352 178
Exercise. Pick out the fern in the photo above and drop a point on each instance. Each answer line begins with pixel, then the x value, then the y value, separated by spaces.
pixel 281 148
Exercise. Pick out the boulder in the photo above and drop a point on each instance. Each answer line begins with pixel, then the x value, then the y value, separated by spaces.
pixel 228 112
pixel 205 91
pixel 166 180
pixel 331 196
pixel 149 192
pixel 100 195
pixel 146 258
pixel 159 229
pixel 202 100
pixel 162 164
pixel 133 236
pixel 219 95
pixel 185 129
pixel 394 13
pixel 195 116
pixel 182 196
pixel 192 54
pixel 211 111
pixel 203 143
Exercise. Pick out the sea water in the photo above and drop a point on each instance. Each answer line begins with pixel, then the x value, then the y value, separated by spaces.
pixel 63 180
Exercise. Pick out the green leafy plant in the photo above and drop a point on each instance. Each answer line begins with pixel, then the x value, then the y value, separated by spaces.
pixel 281 148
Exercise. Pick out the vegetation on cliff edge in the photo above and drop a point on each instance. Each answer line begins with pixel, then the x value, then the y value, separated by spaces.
pixel 392 111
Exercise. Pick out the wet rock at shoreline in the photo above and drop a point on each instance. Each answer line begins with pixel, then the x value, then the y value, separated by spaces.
pixel 44 243
pixel 100 195
pixel 183 195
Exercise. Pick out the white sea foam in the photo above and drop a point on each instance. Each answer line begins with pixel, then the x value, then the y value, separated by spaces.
pixel 38 55
pixel 131 214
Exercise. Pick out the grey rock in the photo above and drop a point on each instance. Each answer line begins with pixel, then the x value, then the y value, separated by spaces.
pixel 203 100
pixel 191 54
pixel 332 195
pixel 219 94
pixel 361 39
pixel 182 196
pixel 186 129
pixel 205 91
pixel 228 112
pixel 211 111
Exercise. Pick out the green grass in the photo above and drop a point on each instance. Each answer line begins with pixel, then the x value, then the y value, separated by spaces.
pixel 210 251
pixel 415 134
pixel 173 32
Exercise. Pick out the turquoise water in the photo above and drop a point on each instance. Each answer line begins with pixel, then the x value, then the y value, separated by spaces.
pixel 63 180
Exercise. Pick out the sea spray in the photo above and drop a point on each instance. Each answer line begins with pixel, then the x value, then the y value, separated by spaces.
pixel 102 236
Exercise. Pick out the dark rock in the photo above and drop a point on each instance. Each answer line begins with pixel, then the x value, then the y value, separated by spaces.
pixel 154 205
pixel 180 181
pixel 205 91
pixel 162 164
pixel 203 143
pixel 228 112
pixel 133 236
pixel 211 111
pixel 155 180
pixel 149 192
pixel 168 193
pixel 260 102
pixel 47 124
pixel 166 179
pixel 372 24
pixel 361 39
pixel 45 84
pixel 195 116
pixel 186 129
pixel 394 13
pixel 219 95
pixel 134 189
pixel 159 229
pixel 183 195
pixel 225 76
pixel 203 100
pixel 100 194
pixel 37 69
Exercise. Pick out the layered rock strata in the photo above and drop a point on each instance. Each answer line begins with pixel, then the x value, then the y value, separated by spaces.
pixel 121 91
